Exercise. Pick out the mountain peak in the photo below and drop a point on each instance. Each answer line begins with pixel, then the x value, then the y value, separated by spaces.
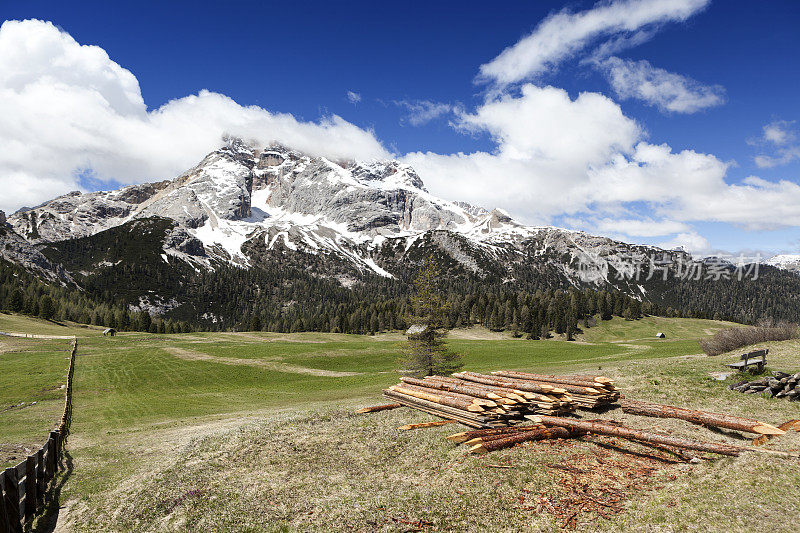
pixel 244 202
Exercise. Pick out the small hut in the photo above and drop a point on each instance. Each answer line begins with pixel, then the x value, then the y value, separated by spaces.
pixel 660 335
pixel 110 332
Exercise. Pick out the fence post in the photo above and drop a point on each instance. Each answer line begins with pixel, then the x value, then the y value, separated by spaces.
pixel 5 525
pixel 50 466
pixel 12 500
pixel 56 450
pixel 41 482
pixel 30 487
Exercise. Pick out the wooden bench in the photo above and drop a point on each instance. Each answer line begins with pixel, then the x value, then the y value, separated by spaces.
pixel 756 360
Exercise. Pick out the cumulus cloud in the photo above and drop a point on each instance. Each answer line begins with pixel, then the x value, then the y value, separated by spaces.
pixel 638 227
pixel 780 138
pixel 668 91
pixel 691 241
pixel 421 112
pixel 353 97
pixel 564 34
pixel 66 106
pixel 555 155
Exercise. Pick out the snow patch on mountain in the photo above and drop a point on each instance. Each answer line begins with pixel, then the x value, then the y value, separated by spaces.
pixel 350 210
pixel 785 262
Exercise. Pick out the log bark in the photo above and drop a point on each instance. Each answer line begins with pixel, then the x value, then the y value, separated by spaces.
pixel 465 417
pixel 699 417
pixel 427 424
pixel 468 435
pixel 565 380
pixel 451 395
pixel 505 442
pixel 641 436
pixel 438 398
pixel 571 389
pixel 376 408
pixel 539 388
pixel 452 387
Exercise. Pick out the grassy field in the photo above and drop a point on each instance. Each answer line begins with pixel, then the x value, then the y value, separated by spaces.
pixel 256 432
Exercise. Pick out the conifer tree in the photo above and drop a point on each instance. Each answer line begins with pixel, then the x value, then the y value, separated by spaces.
pixel 426 352
pixel 47 308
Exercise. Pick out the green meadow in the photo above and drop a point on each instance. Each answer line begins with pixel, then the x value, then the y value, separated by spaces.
pixel 251 425
pixel 135 379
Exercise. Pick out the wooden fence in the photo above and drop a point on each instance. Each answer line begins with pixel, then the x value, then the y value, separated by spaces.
pixel 24 488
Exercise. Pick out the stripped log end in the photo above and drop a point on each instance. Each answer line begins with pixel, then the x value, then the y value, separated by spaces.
pixel 478 449
pixel 766 429
pixel 458 437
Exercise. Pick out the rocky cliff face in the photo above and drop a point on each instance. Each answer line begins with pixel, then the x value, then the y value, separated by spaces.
pixel 16 249
pixel 241 202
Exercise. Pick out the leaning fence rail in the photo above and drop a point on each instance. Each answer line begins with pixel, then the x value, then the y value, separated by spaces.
pixel 24 488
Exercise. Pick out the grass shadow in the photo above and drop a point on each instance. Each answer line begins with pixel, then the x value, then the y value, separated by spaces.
pixel 47 520
pixel 635 453
pixel 726 432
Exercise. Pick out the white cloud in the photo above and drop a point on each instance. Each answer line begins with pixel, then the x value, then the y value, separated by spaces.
pixel 691 241
pixel 555 156
pixel 644 227
pixel 655 86
pixel 64 107
pixel 421 112
pixel 780 138
pixel 564 34
pixel 779 132
pixel 353 97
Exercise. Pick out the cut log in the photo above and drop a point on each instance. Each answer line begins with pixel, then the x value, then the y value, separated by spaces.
pixel 427 424
pixel 699 417
pixel 491 390
pixel 452 387
pixel 563 387
pixel 467 435
pixel 580 381
pixel 641 436
pixel 438 398
pixel 442 411
pixel 537 434
pixel 793 425
pixel 489 438
pixel 510 384
pixel 376 408
pixel 453 395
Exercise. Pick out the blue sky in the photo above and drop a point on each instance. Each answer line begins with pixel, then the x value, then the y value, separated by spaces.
pixel 735 63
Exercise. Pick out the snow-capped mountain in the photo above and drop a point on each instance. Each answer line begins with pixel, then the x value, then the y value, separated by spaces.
pixel 242 205
pixel 790 262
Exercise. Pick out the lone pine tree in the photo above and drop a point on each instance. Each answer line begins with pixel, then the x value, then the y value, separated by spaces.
pixel 426 352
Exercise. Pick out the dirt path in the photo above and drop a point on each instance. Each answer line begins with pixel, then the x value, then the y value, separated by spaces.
pixel 35 336
pixel 191 355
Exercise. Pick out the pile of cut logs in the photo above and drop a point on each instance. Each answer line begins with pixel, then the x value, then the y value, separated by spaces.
pixel 587 392
pixel 551 427
pixel 781 385
pixel 479 400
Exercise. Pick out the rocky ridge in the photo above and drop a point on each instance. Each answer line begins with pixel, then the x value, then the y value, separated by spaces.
pixel 242 204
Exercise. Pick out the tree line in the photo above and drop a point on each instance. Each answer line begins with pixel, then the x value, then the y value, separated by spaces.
pixel 23 292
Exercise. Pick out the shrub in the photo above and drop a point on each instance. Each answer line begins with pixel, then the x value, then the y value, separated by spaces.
pixel 732 338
